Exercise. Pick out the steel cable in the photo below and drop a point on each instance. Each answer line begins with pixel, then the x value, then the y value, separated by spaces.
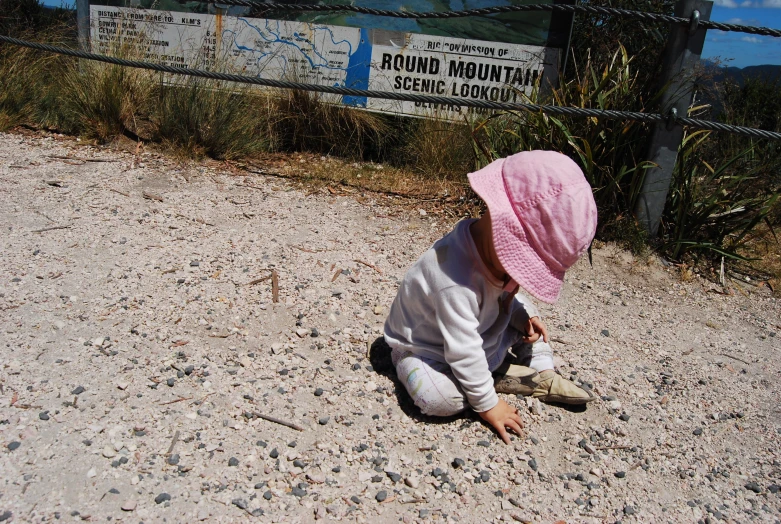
pixel 593 10
pixel 440 100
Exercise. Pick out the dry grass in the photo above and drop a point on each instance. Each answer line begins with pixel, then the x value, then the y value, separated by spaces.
pixel 322 171
pixel 196 118
pixel 102 101
pixel 306 121
pixel 439 149
pixel 764 247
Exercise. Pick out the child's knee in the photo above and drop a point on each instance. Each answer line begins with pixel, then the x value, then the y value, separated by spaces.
pixel 441 407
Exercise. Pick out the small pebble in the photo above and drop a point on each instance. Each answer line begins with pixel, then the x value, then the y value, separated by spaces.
pixel 162 497
pixel 78 391
pixel 43 415
pixel 381 496
pixel 233 462
pixel 319 392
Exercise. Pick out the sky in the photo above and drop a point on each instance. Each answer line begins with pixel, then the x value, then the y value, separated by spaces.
pixel 741 49
pixel 731 48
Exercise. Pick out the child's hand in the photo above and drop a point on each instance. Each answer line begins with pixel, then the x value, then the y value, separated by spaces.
pixel 534 329
pixel 502 415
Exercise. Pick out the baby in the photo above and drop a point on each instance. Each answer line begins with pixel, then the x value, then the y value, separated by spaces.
pixel 458 329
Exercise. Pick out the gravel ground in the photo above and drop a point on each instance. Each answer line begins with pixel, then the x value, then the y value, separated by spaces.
pixel 141 340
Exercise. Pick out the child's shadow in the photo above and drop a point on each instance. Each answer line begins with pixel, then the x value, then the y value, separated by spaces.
pixel 380 359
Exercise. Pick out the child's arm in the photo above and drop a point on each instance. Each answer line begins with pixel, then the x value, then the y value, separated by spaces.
pixel 457 311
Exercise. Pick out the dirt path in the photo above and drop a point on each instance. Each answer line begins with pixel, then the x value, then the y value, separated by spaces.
pixel 140 337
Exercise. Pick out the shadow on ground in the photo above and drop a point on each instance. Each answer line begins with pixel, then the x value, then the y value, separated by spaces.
pixel 380 358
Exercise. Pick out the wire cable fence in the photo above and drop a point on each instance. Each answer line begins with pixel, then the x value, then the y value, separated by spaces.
pixel 403 97
pixel 559 8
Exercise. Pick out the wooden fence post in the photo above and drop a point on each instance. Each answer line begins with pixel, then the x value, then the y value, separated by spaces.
pixel 682 54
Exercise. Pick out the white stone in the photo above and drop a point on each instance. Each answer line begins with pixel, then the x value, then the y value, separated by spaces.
pixel 92 473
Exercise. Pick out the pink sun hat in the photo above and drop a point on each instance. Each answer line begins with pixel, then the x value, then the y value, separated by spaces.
pixel 543 217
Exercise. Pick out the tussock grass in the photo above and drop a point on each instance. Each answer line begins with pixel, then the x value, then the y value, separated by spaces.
pixel 198 117
pixel 307 122
pixel 438 149
pixel 103 101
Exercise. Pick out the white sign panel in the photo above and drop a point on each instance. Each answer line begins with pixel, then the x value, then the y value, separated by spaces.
pixel 330 55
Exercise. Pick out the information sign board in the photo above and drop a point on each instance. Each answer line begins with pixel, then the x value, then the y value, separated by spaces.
pixel 309 51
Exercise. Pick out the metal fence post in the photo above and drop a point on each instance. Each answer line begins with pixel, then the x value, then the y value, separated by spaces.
pixel 682 53
pixel 82 23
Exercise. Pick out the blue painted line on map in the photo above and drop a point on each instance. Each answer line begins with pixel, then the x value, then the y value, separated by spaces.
pixel 358 70
pixel 276 38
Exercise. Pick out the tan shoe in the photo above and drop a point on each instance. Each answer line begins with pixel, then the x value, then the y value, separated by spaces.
pixel 552 387
pixel 515 380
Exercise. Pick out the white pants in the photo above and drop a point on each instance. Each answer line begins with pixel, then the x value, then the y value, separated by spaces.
pixel 437 392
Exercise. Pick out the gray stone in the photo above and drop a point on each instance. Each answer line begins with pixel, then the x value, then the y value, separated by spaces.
pixel 629 510
pixel 240 503
pixel 173 460
pixel 14 445
pixel 323 420
pixel 381 495
pixel 43 415
pixel 78 391
pixel 162 497
pixel 233 461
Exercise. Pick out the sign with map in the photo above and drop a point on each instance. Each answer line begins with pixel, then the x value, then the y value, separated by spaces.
pixel 396 55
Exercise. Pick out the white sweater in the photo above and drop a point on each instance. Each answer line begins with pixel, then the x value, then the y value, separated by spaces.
pixel 448 308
